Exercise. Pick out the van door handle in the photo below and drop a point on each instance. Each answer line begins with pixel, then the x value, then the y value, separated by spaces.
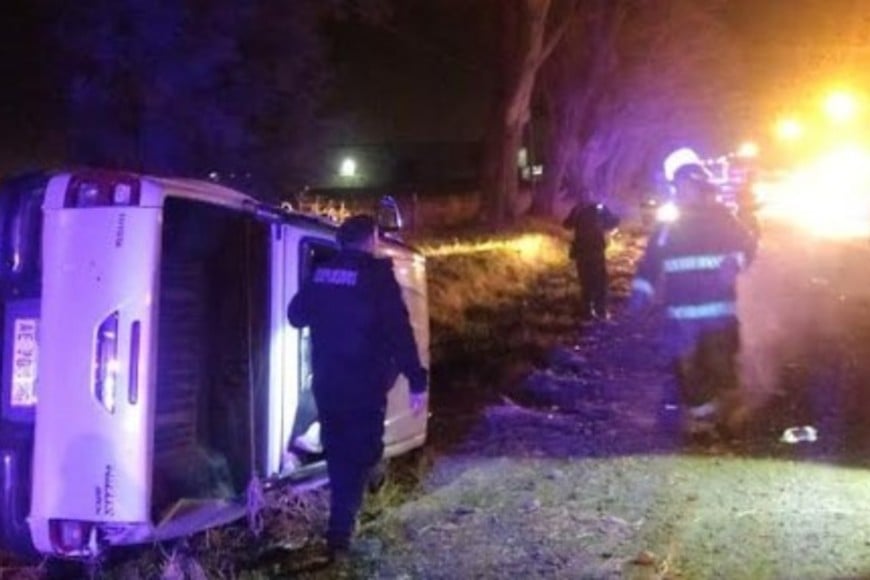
pixel 133 383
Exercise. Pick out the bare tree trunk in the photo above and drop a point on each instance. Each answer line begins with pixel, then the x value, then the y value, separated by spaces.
pixel 525 46
pixel 561 145
pixel 577 86
pixel 500 172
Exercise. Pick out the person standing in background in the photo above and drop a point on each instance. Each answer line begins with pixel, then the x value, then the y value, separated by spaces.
pixel 591 223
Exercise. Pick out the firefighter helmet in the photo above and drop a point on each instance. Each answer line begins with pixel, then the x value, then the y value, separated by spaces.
pixel 684 161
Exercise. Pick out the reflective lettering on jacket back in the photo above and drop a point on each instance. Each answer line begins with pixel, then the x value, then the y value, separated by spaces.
pixel 335 276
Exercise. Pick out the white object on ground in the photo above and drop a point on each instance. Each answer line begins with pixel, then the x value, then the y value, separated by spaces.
pixel 794 435
pixel 704 411
pixel 310 440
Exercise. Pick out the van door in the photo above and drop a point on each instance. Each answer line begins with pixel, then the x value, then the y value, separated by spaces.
pixel 302 250
pixel 93 420
pixel 283 366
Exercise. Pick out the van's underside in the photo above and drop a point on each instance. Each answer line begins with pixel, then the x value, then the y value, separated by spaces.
pixel 212 356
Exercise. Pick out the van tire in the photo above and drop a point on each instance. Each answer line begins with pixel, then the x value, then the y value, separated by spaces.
pixel 14 531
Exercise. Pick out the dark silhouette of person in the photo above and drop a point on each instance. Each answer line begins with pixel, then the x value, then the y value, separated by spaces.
pixel 591 222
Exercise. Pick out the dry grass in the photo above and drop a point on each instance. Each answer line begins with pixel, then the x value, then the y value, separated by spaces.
pixel 481 286
pixel 467 277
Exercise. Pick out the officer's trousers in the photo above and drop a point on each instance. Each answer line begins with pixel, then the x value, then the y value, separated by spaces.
pixel 705 360
pixel 353 443
pixel 592 273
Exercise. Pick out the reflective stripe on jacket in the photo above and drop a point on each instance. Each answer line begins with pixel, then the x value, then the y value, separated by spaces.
pixel 695 262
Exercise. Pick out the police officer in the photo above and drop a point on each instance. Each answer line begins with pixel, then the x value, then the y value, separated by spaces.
pixel 591 221
pixel 694 262
pixel 361 336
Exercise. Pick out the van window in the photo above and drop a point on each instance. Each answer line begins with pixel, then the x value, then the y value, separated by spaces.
pixel 314 253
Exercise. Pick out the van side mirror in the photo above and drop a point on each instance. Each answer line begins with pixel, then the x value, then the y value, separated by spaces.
pixel 389 217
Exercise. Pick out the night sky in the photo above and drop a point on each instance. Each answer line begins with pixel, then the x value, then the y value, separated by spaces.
pixel 30 105
pixel 422 77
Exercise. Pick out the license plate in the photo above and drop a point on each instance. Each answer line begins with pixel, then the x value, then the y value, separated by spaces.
pixel 25 355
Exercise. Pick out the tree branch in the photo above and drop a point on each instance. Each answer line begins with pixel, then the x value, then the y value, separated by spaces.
pixel 557 35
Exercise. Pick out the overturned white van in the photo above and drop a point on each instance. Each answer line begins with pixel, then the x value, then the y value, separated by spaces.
pixel 166 378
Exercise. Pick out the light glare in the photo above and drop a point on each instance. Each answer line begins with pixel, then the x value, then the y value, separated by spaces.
pixel 348 167
pixel 748 149
pixel 668 212
pixel 789 130
pixel 829 197
pixel 841 107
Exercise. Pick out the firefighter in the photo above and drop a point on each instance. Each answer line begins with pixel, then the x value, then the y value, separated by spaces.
pixel 694 262
pixel 591 222
pixel 361 336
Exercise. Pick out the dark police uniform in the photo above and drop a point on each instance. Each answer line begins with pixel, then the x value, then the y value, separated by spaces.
pixel 697 260
pixel 590 224
pixel 361 337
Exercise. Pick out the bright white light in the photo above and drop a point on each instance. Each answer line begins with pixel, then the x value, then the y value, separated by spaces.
pixel 748 150
pixel 668 212
pixel 829 197
pixel 789 130
pixel 841 107
pixel 523 157
pixel 348 167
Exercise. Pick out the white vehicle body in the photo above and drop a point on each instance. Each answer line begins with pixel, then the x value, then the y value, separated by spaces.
pixel 141 384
